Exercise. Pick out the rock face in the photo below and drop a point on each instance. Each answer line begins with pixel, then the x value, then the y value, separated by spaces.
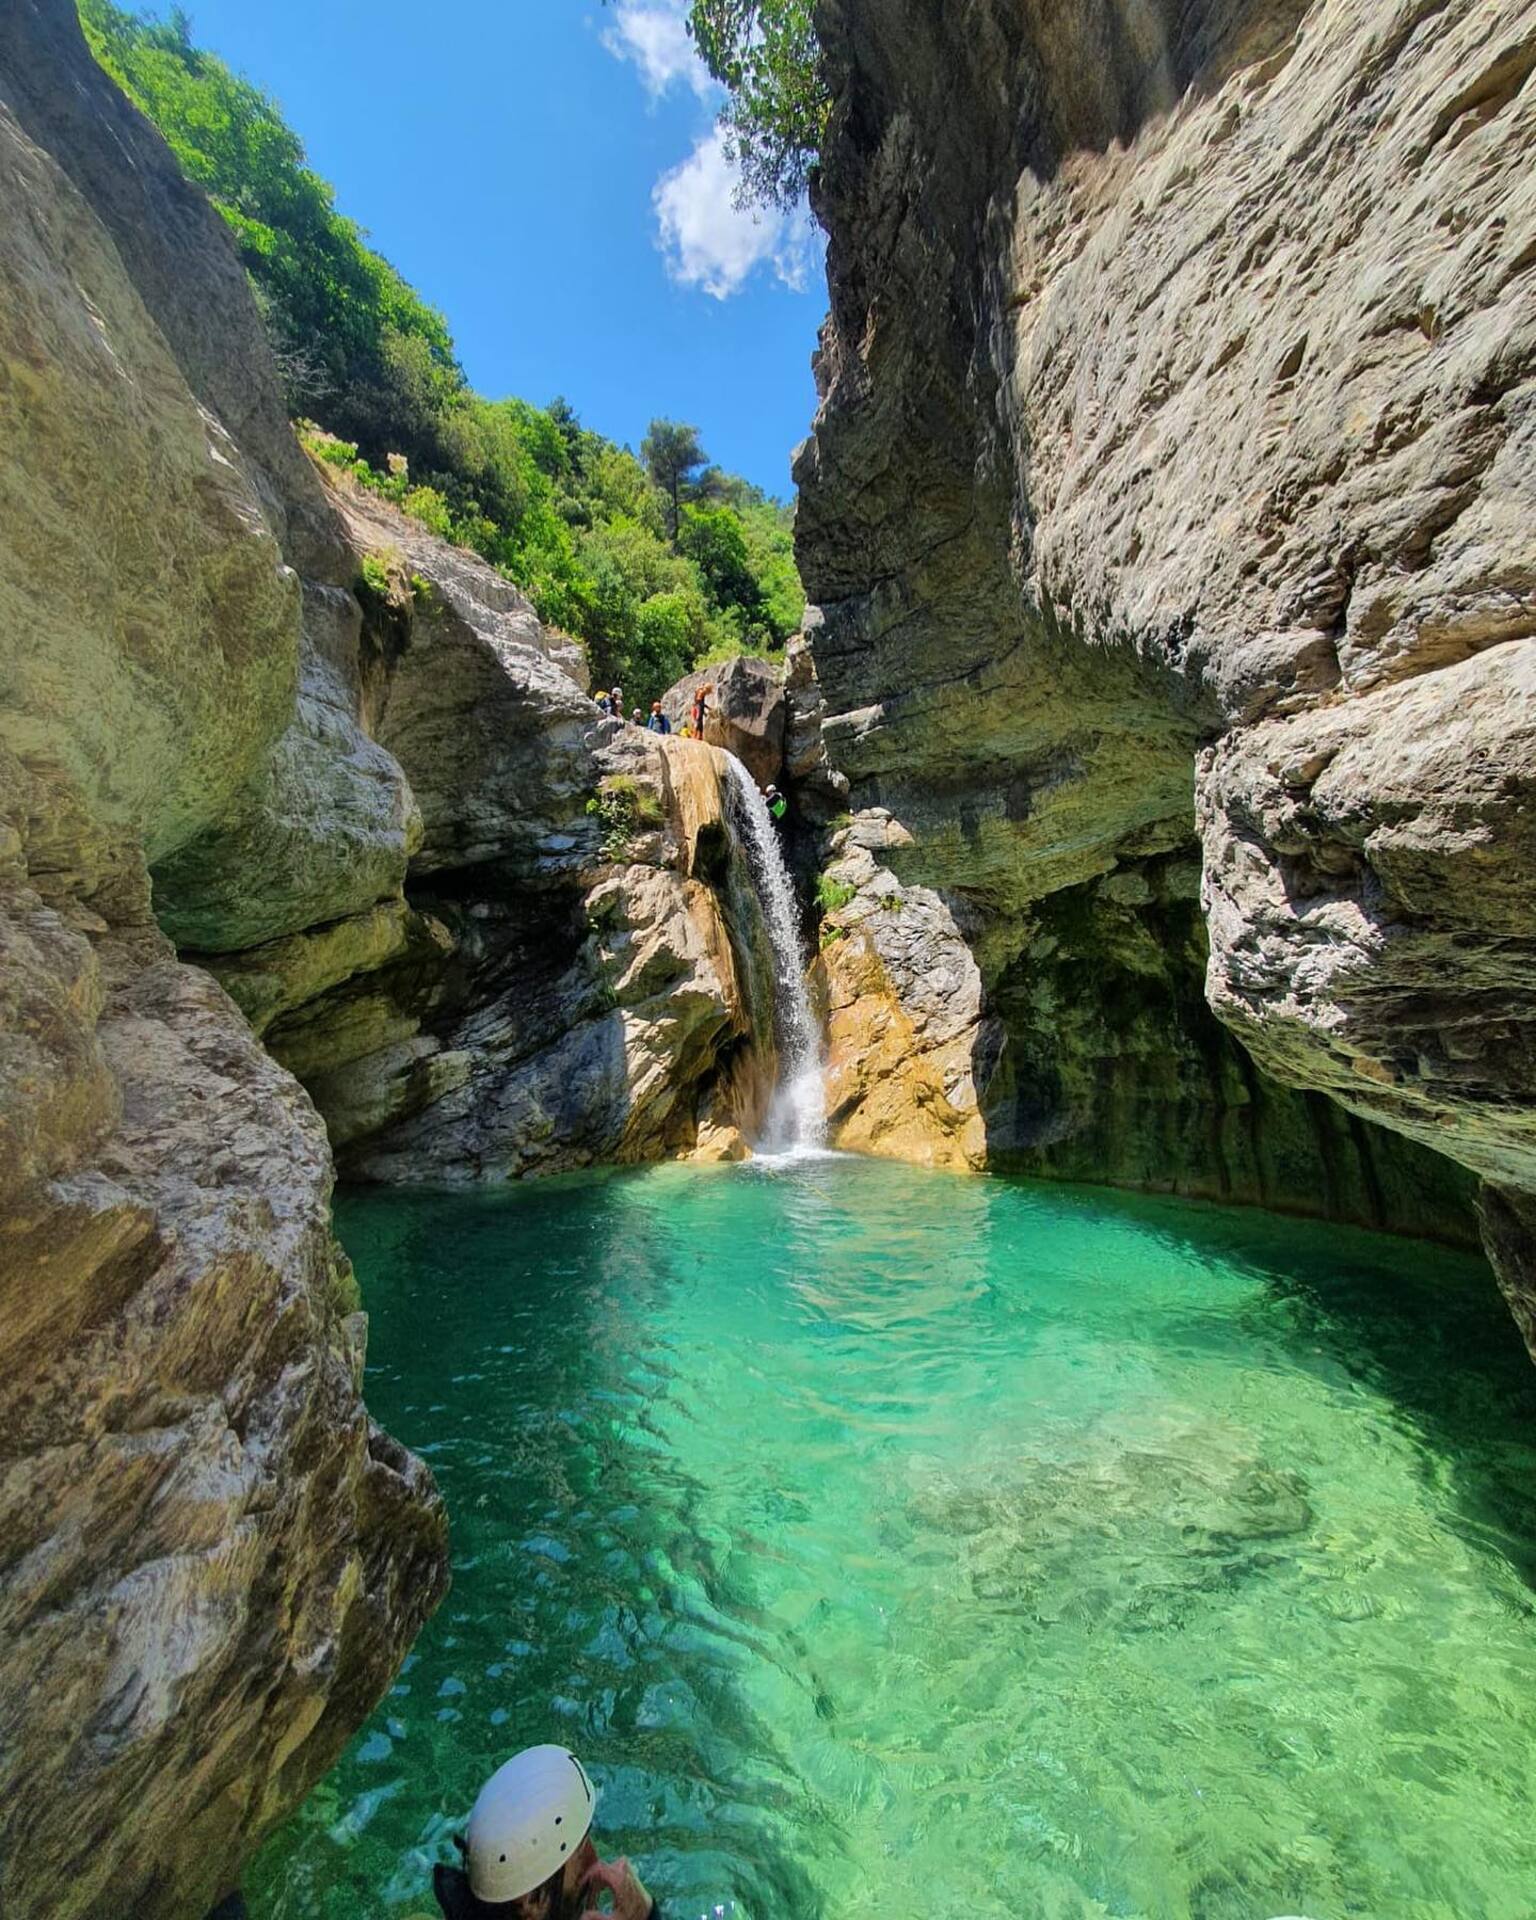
pixel 489 931
pixel 903 1001
pixel 745 713
pixel 212 1562
pixel 1170 515
pixel 573 972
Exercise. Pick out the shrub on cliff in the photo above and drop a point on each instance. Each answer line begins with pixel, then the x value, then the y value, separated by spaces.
pixel 351 333
pixel 766 55
pixel 623 808
pixel 831 895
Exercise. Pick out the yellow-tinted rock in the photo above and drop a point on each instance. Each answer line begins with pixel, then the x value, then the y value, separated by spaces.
pixel 745 711
pixel 719 1146
pixel 1171 497
pixel 886 1093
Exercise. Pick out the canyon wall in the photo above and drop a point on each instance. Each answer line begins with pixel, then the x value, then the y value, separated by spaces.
pixel 571 966
pixel 211 1562
pixel 1170 516
pixel 272 763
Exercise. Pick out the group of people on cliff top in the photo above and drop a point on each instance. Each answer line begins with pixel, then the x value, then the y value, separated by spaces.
pixel 610 701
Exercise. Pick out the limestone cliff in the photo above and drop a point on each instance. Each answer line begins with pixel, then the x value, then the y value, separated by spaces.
pixel 211 1562
pixel 567 966
pixel 1170 516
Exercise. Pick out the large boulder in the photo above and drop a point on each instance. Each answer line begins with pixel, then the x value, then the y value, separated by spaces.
pixel 212 1563
pixel 744 713
pixel 1171 499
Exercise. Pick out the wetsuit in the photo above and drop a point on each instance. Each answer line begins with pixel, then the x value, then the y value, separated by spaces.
pixel 458 1901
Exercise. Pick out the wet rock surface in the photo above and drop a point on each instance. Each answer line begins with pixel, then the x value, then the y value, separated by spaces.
pixel 1170 500
pixel 902 997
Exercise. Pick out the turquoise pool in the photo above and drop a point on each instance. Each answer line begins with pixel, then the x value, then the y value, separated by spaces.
pixel 892 1544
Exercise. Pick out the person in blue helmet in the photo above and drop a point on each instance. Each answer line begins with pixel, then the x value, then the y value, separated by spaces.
pixel 529 1853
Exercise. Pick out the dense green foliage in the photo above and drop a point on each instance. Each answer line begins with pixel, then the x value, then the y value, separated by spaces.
pixel 766 55
pixel 655 566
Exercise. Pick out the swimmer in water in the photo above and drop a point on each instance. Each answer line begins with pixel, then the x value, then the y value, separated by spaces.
pixel 528 1854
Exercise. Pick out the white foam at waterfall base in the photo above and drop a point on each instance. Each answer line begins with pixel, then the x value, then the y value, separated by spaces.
pixel 797 1114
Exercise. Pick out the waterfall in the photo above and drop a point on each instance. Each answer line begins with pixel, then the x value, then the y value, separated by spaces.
pixel 797 1115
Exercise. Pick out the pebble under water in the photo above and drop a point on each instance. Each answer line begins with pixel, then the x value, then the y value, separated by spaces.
pixel 896 1544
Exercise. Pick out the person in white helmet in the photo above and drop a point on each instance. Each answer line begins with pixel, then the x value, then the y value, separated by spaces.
pixel 529 1854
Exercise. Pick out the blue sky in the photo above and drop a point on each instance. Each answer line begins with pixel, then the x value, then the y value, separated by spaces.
pixel 546 172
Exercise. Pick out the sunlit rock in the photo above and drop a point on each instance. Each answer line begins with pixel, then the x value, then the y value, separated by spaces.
pixel 213 1562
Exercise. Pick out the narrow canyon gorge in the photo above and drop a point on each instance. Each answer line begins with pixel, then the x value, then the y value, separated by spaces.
pixel 1160 748
pixel 1169 517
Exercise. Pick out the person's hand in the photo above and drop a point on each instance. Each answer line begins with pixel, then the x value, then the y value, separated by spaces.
pixel 630 1899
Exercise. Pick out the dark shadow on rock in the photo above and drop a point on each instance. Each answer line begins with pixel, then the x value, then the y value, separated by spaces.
pixel 1110 1067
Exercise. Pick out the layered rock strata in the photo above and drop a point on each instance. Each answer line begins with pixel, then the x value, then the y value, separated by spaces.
pixel 1171 503
pixel 570 966
pixel 211 1562
pixel 902 998
pixel 343 768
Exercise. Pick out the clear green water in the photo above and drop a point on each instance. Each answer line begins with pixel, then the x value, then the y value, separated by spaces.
pixel 892 1544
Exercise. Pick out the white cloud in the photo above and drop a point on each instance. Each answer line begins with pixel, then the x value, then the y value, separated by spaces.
pixel 653 36
pixel 709 241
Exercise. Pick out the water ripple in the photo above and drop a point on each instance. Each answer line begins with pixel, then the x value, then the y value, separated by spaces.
pixel 889 1542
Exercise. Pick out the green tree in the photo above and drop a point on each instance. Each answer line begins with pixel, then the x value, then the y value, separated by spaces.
pixel 770 538
pixel 651 563
pixel 669 635
pixel 714 539
pixel 672 453
pixel 338 311
pixel 766 55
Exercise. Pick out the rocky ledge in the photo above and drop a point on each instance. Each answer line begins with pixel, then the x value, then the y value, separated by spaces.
pixel 745 711
pixel 566 963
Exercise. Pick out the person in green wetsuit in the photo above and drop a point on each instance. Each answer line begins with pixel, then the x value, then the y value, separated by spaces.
pixel 529 1855
pixel 778 806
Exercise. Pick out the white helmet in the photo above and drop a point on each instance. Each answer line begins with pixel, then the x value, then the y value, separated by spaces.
pixel 531 1816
